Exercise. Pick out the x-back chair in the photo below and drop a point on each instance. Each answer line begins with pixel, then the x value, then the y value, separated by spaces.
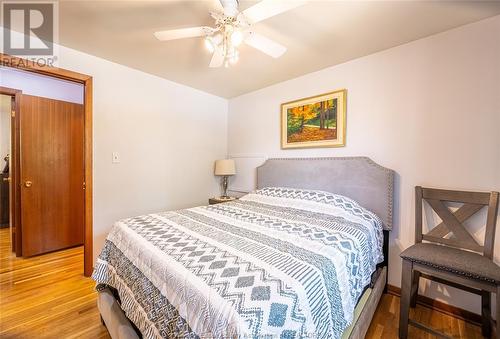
pixel 451 255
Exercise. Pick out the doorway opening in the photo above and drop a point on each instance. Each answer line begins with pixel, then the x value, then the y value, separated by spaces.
pixel 10 99
pixel 50 164
pixel 5 116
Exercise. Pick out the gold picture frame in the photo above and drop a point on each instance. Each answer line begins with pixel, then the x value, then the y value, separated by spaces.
pixel 318 121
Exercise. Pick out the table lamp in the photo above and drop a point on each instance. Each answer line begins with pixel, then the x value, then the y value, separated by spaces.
pixel 224 168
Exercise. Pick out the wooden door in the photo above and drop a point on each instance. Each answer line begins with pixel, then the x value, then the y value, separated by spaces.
pixel 52 174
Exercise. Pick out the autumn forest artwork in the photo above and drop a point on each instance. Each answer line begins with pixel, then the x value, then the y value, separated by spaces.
pixel 314 122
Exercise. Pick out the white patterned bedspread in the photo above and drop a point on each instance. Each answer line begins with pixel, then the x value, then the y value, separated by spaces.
pixel 278 263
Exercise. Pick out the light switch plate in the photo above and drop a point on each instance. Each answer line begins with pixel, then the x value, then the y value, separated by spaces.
pixel 116 158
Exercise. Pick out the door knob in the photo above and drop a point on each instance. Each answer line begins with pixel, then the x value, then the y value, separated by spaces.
pixel 28 183
pixel 6 179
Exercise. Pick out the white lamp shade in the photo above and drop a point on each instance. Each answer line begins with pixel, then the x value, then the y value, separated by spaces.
pixel 225 167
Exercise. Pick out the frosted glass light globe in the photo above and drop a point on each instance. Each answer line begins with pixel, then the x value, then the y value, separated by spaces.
pixel 236 38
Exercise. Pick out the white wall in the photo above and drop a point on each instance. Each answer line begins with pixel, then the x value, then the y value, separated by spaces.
pixel 429 109
pixel 42 86
pixel 168 137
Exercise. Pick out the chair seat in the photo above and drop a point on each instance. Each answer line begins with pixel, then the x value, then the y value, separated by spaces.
pixel 460 262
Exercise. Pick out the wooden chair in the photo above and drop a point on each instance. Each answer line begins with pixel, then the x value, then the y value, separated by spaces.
pixel 456 260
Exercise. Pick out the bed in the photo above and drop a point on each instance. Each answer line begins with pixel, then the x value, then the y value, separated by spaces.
pixel 305 255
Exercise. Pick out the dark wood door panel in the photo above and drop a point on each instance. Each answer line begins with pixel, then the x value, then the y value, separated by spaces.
pixel 52 174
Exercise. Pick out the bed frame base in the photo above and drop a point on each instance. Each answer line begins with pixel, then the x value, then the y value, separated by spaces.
pixel 362 323
pixel 120 327
pixel 112 316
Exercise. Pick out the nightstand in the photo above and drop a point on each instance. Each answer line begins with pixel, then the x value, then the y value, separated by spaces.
pixel 213 201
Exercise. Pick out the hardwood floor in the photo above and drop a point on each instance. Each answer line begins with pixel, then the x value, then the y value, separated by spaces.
pixel 386 320
pixel 48 297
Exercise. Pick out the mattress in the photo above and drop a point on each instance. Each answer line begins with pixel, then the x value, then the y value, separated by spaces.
pixel 278 262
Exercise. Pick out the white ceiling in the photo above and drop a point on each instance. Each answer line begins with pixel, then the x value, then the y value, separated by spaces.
pixel 317 35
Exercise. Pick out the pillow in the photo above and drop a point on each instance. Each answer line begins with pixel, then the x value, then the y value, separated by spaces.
pixel 319 201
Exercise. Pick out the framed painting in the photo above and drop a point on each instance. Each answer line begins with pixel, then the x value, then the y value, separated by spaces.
pixel 317 121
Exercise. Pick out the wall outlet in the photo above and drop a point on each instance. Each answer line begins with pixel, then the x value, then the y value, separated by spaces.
pixel 115 158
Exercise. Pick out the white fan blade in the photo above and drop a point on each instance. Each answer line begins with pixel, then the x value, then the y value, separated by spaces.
pixel 268 8
pixel 217 58
pixel 182 33
pixel 230 7
pixel 265 45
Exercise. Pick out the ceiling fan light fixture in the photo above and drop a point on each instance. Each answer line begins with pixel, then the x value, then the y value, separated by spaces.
pixel 209 44
pixel 217 39
pixel 236 38
pixel 232 28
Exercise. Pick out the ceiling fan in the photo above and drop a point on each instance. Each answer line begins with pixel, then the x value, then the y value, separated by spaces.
pixel 233 27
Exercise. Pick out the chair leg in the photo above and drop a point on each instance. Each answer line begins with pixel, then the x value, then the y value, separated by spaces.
pixel 414 288
pixel 486 313
pixel 404 308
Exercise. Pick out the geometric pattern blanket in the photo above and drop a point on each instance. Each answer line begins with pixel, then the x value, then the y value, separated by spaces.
pixel 277 263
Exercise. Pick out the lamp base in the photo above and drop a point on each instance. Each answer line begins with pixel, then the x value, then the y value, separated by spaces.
pixel 224 187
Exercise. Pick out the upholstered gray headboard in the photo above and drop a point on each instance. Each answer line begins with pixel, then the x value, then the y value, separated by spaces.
pixel 358 178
